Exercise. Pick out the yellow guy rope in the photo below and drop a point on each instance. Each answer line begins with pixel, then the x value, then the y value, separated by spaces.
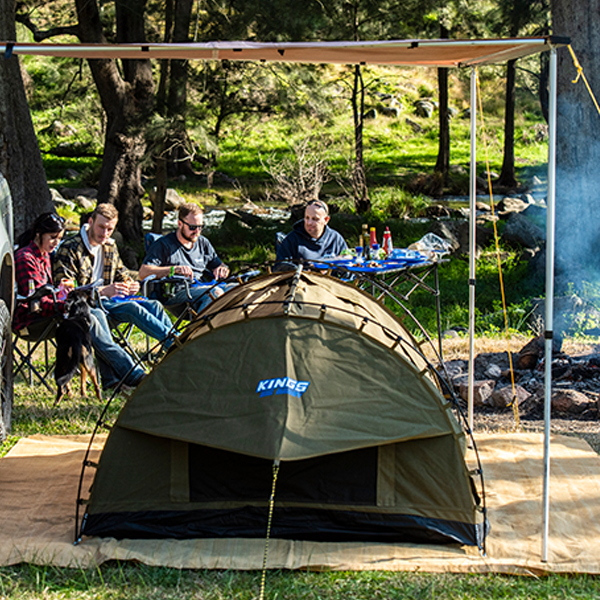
pixel 263 577
pixel 581 74
pixel 514 404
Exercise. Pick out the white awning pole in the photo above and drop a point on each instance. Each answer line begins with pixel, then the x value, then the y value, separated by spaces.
pixel 548 334
pixel 472 223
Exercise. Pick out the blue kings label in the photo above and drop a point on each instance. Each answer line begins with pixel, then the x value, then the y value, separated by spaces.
pixel 282 385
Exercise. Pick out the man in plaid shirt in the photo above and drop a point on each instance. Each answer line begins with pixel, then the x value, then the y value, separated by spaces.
pixel 91 257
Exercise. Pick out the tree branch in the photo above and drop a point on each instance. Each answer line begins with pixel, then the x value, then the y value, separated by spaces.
pixel 41 35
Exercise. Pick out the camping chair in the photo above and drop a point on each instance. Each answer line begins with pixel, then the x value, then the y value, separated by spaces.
pixel 38 333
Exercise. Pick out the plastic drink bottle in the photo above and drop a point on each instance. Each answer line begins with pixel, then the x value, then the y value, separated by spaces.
pixel 388 247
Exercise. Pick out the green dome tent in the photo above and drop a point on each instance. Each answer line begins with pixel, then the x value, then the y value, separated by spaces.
pixel 302 370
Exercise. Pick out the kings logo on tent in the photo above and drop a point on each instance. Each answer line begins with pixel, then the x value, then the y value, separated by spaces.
pixel 281 385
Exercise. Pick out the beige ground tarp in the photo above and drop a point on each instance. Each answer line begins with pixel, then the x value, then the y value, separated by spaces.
pixel 39 477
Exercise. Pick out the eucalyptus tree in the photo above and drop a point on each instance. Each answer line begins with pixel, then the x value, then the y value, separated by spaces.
pixel 126 92
pixel 514 18
pixel 20 158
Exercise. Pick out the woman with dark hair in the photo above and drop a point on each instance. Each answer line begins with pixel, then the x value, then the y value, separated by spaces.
pixel 33 269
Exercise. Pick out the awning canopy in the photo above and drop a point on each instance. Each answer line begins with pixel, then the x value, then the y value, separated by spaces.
pixel 425 53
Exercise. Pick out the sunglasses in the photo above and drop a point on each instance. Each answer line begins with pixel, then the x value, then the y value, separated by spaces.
pixel 193 227
pixel 320 204
pixel 56 218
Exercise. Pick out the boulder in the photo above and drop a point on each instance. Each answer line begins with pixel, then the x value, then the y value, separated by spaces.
pixel 493 371
pixel 457 234
pixel 424 108
pixel 482 391
pixel 72 174
pixel 85 203
pixel 503 397
pixel 520 231
pixel 390 111
pixel 570 401
pixel 173 200
pixel 509 205
pixel 414 126
pixel 371 114
pixel 72 193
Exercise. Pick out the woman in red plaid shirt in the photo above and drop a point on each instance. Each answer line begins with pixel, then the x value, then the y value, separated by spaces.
pixel 32 267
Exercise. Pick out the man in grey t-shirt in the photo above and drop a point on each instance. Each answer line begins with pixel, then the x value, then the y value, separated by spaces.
pixel 186 252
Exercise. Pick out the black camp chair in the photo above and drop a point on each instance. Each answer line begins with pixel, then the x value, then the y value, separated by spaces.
pixel 38 334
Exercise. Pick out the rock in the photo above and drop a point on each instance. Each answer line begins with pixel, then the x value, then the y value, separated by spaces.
pixel 530 354
pixel 424 108
pixel 435 211
pixel 371 114
pixel 493 371
pixel 457 170
pixel 173 200
pixel 482 207
pixel 450 334
pixel 503 397
pixel 455 367
pixel 537 214
pixel 569 401
pixel 85 203
pixel 482 391
pixel 55 195
pixel 457 234
pixel 59 129
pixel 147 213
pixel 414 126
pixel 72 193
pixel 452 112
pixel 390 111
pixel 72 174
pixel 521 232
pixel 62 202
pixel 508 205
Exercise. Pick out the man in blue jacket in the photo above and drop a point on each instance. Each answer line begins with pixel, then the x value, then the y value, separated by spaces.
pixel 312 238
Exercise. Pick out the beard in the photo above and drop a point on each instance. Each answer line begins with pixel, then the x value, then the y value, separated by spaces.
pixel 192 238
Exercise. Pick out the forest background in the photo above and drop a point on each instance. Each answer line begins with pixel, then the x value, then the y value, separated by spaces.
pixel 223 133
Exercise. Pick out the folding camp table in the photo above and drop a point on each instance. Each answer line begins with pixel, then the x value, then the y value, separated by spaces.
pixel 395 278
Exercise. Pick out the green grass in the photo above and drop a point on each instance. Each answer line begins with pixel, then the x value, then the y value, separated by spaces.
pixel 130 581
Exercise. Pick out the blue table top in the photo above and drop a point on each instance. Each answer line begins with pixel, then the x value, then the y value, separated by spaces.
pixel 400 259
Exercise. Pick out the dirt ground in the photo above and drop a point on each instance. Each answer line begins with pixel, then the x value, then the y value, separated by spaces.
pixel 586 426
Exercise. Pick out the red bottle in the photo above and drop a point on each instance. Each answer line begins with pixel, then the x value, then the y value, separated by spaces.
pixel 373 239
pixel 388 247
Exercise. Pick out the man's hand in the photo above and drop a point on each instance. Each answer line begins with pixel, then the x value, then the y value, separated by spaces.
pixel 221 272
pixel 118 288
pixel 134 287
pixel 184 270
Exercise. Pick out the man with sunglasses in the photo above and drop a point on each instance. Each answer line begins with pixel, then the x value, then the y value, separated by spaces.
pixel 187 253
pixel 312 238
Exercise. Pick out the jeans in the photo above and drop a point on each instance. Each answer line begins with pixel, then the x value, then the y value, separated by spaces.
pixel 201 297
pixel 114 363
pixel 147 315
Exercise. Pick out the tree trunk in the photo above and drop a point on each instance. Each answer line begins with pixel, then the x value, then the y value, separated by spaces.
pixel 442 164
pixel 159 198
pixel 180 162
pixel 127 102
pixel 359 179
pixel 577 150
pixel 20 158
pixel 507 174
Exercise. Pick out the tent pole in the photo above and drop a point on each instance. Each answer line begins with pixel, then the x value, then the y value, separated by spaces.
pixel 548 334
pixel 472 222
